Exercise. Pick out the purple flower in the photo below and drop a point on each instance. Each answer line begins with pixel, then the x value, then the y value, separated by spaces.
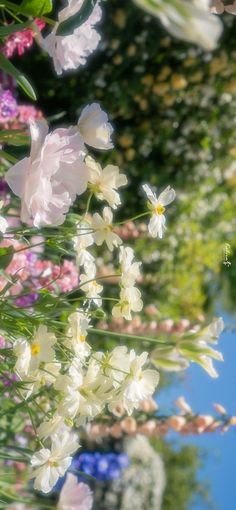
pixel 27 300
pixel 8 104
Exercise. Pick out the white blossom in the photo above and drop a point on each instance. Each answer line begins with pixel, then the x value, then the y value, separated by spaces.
pixel 91 288
pixel 95 128
pixel 103 229
pixel 130 301
pixel 3 221
pixel 157 222
pixel 49 465
pixel 130 271
pixel 81 242
pixel 105 182
pixel 77 333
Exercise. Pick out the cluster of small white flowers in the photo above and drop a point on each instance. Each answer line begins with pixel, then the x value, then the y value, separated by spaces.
pixel 88 383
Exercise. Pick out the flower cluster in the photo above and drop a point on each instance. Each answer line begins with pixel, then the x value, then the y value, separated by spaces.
pixel 84 386
pixel 19 42
pixel 101 466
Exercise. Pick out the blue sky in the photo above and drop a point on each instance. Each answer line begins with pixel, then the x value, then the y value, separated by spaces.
pixel 200 392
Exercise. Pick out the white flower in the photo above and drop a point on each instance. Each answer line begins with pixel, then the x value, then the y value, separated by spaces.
pixel 77 332
pixel 195 346
pixel 49 465
pixel 44 376
pixel 49 180
pixel 74 495
pixel 116 364
pixel 157 222
pixel 30 355
pixel 189 20
pixel 130 301
pixel 51 427
pixel 82 241
pixel 3 221
pixel 42 347
pixel 130 271
pixel 95 128
pixel 139 384
pixel 22 351
pixel 103 229
pixel 84 392
pixel 105 182
pixel 72 51
pixel 91 288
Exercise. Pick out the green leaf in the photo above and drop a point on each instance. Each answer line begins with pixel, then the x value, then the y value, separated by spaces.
pixel 69 25
pixel 6 256
pixel 36 7
pixel 16 27
pixel 22 81
pixel 14 137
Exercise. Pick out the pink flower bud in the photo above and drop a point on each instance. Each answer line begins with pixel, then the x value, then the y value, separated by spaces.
pixel 116 430
pixel 219 409
pixel 203 422
pixel 148 405
pixel 183 406
pixel 148 428
pixel 129 425
pixel 176 422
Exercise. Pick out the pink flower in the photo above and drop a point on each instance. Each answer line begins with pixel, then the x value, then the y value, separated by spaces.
pixel 21 41
pixel 74 495
pixel 49 180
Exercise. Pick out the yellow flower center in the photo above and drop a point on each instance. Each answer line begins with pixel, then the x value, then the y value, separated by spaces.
pixel 53 463
pixel 82 338
pixel 35 349
pixel 159 209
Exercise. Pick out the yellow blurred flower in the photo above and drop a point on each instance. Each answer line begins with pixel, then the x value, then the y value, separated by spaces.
pixel 178 81
pixel 119 18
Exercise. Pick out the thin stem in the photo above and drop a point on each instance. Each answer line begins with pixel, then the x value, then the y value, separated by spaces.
pixel 130 337
pixel 132 219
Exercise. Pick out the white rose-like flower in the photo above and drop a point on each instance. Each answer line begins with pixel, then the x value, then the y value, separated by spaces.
pixel 157 204
pixel 49 465
pixel 103 229
pixel 49 180
pixel 105 182
pixel 75 495
pixel 71 51
pixel 189 20
pixel 95 128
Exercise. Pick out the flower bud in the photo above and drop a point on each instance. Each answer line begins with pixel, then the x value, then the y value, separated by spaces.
pixel 129 425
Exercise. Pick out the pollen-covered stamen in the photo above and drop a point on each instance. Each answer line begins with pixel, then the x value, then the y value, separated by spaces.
pixel 160 209
pixel 82 338
pixel 35 349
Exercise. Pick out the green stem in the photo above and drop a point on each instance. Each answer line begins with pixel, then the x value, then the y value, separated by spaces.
pixel 130 337
pixel 132 219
